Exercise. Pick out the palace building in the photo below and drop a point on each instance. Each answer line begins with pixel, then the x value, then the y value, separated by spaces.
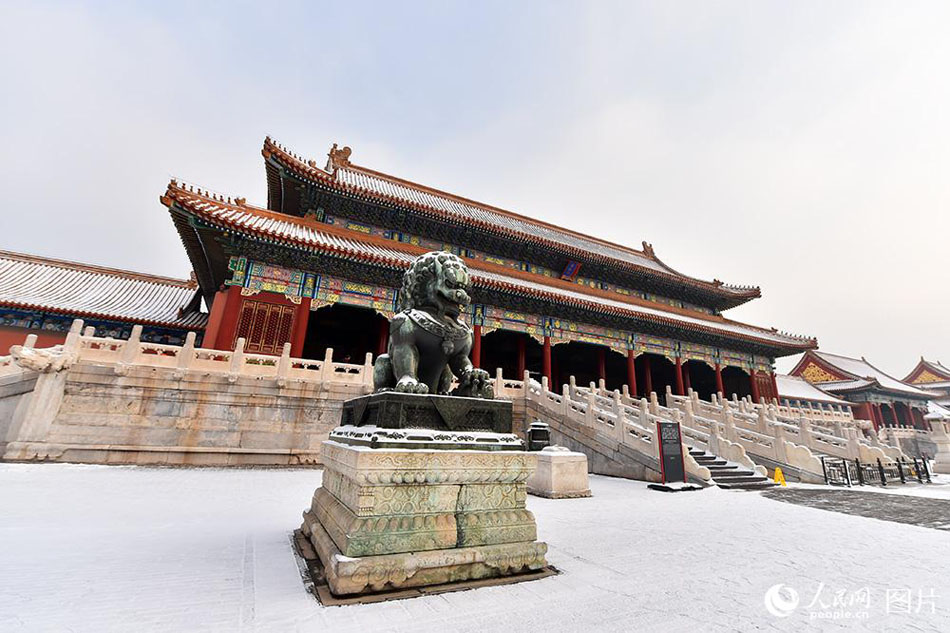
pixel 320 266
pixel 931 376
pixel 876 396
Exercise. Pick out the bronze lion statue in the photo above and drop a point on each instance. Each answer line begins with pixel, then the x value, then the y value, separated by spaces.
pixel 429 344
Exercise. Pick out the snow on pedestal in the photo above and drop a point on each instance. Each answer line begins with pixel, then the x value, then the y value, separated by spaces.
pixel 561 474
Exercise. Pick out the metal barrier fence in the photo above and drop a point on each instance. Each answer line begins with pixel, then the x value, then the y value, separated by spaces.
pixel 845 472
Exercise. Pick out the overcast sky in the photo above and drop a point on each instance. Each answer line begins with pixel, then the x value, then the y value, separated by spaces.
pixel 800 146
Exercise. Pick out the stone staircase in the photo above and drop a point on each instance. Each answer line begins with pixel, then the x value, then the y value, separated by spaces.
pixel 730 475
pixel 619 438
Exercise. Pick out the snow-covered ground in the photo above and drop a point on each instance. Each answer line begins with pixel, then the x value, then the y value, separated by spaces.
pixel 88 548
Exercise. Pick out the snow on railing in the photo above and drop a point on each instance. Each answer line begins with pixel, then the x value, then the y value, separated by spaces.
pixel 124 355
pixel 612 419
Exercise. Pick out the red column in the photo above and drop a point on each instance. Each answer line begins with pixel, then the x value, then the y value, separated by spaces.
pixel 867 409
pixel 647 376
pixel 382 338
pixel 775 393
pixel 897 421
pixel 631 373
pixel 679 378
pixel 879 414
pixel 719 387
pixel 299 333
pixel 546 362
pixel 521 359
pixel 224 339
pixel 477 345
pixel 602 363
pixel 218 303
pixel 753 386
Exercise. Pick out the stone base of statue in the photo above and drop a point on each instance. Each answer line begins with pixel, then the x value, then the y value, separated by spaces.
pixel 392 518
pixel 406 420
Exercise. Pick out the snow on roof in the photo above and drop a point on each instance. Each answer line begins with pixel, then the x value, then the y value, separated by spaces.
pixel 797 388
pixel 369 182
pixel 937 412
pixel 38 283
pixel 860 368
pixel 931 371
pixel 347 243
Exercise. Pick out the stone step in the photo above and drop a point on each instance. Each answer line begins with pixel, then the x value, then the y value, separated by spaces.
pixel 709 460
pixel 738 477
pixel 753 485
pixel 715 468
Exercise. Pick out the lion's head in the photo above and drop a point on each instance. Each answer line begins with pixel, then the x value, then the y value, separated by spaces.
pixel 436 280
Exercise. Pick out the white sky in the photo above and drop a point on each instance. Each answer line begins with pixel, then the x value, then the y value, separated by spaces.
pixel 800 146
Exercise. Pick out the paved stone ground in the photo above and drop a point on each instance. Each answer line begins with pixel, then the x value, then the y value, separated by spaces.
pixel 99 549
pixel 921 511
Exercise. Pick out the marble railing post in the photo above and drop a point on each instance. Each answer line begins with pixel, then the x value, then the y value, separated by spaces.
pixel 780 452
pixel 804 432
pixel 762 425
pixel 132 346
pixel 712 442
pixel 283 365
pixel 185 355
pixel 71 344
pixel 327 369
pixel 237 361
pixel 731 434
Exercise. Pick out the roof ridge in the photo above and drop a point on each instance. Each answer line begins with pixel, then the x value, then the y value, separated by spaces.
pixel 936 365
pixel 98 269
pixel 872 366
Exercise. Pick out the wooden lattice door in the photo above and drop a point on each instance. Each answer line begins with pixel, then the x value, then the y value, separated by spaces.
pixel 264 326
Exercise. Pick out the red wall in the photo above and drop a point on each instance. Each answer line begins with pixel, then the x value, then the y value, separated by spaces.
pixel 10 336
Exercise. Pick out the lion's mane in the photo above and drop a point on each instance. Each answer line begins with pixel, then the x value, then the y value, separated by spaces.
pixel 420 277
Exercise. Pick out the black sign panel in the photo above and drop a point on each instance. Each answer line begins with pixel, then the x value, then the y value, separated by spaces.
pixel 672 467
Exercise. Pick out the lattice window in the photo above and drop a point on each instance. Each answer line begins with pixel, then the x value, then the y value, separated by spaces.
pixel 264 326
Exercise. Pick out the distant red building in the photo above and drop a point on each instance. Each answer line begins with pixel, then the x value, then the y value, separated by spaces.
pixel 931 376
pixel 42 296
pixel 876 396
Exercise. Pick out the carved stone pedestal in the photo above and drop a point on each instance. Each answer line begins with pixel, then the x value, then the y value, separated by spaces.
pixel 395 518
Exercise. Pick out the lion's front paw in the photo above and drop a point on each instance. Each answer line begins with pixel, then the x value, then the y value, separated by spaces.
pixel 411 385
pixel 479 376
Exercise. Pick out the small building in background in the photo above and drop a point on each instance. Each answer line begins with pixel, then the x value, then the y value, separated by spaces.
pixel 875 396
pixel 42 296
pixel 933 377
pixel 798 398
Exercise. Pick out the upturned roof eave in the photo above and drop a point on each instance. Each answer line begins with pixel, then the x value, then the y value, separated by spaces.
pixel 727 296
pixel 779 348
